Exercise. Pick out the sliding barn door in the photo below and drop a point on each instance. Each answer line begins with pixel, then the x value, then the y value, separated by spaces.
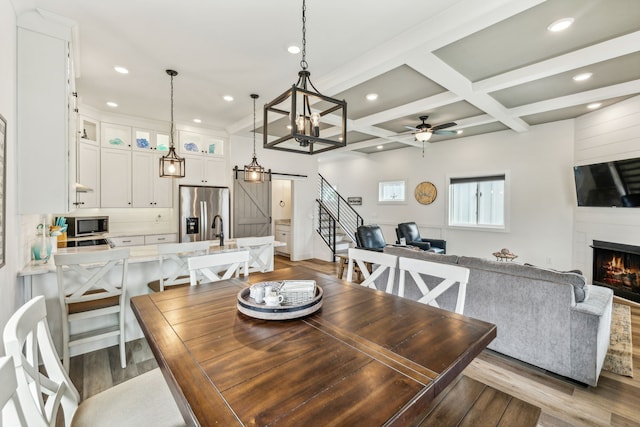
pixel 251 207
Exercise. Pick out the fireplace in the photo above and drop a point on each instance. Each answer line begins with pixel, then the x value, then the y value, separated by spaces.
pixel 617 266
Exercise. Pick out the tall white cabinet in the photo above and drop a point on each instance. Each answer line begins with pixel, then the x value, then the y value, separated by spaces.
pixel 44 127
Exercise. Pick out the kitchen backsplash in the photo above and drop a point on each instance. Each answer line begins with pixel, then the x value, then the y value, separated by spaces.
pixel 121 221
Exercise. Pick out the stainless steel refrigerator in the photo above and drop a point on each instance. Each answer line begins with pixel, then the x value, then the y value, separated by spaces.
pixel 198 209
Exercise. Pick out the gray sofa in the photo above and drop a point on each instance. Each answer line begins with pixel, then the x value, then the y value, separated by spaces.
pixel 546 318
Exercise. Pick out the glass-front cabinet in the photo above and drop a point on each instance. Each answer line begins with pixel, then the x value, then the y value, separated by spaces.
pixel 191 143
pixel 150 140
pixel 116 136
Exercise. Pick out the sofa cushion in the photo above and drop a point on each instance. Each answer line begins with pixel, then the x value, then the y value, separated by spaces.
pixel 574 279
pixel 418 254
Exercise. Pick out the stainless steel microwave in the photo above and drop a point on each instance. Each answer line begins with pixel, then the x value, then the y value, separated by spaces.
pixel 87 225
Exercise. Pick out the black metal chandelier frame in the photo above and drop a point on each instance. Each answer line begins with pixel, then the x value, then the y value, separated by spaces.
pixel 304 122
pixel 254 172
pixel 172 165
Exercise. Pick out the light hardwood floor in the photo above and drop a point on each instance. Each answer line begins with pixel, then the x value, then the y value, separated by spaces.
pixel 498 390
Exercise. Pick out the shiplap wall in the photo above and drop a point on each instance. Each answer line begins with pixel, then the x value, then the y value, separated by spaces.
pixel 612 133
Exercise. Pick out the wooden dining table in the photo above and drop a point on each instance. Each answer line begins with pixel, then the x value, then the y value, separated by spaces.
pixel 364 358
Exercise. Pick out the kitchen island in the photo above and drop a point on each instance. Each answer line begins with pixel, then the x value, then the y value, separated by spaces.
pixel 39 278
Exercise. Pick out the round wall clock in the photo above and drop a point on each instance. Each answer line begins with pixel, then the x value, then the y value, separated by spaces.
pixel 426 193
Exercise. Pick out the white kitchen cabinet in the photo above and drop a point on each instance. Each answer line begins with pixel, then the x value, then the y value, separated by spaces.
pixel 115 136
pixel 283 234
pixel 200 170
pixel 150 140
pixel 44 129
pixel 88 174
pixel 115 178
pixel 149 190
pixel 127 241
pixel 157 239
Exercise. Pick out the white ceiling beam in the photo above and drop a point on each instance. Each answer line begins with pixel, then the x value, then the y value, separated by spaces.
pixel 622 89
pixel 600 52
pixel 444 98
pixel 444 75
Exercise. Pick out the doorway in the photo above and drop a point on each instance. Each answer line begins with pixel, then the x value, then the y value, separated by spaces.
pixel 281 209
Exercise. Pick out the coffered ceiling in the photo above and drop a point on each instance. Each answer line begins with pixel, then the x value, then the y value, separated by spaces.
pixel 488 66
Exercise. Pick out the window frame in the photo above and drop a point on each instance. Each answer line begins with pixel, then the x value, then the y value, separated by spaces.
pixel 481 176
pixel 392 202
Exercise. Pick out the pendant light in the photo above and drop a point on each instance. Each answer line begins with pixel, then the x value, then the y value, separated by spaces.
pixel 296 126
pixel 171 165
pixel 253 172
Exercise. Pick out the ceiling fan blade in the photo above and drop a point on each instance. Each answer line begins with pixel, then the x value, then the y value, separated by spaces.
pixel 444 126
pixel 445 132
pixel 411 127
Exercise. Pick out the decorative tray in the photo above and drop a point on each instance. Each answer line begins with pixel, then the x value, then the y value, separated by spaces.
pixel 294 305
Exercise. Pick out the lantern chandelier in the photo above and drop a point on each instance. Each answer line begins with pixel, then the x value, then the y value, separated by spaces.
pixel 253 172
pixel 172 166
pixel 296 126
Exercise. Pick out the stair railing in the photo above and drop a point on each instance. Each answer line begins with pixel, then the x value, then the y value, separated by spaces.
pixel 338 209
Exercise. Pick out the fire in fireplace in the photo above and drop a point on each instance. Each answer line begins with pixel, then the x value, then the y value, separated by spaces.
pixel 617 266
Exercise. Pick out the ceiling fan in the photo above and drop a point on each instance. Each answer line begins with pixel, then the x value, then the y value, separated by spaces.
pixel 424 131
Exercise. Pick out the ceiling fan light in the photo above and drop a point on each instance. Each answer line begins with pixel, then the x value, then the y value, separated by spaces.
pixel 423 136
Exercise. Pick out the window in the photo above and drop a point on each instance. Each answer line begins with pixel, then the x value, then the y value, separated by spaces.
pixel 390 192
pixel 477 201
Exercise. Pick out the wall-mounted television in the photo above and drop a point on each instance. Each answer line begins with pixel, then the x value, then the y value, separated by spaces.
pixel 609 184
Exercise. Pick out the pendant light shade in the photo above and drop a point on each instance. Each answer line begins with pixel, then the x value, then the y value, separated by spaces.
pixel 302 120
pixel 253 172
pixel 171 165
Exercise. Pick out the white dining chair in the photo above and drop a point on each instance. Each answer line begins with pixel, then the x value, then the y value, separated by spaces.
pixel 380 263
pixel 451 274
pixel 218 266
pixel 44 385
pixel 260 252
pixel 12 414
pixel 172 259
pixel 92 285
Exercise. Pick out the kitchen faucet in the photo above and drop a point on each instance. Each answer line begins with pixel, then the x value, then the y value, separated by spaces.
pixel 221 235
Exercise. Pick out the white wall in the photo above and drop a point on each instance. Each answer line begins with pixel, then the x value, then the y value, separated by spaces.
pixel 304 190
pixel 9 292
pixel 612 133
pixel 539 163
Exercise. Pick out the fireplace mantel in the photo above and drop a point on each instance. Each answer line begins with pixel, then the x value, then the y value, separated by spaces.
pixel 619 247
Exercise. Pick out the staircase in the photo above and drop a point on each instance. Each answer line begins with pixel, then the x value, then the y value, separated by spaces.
pixel 337 220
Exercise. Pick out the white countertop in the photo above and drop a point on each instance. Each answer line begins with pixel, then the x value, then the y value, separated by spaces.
pixel 137 254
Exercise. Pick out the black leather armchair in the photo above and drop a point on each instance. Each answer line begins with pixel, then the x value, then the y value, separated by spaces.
pixel 409 230
pixel 370 237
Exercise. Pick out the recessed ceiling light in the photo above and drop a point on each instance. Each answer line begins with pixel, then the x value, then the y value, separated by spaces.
pixel 112 104
pixel 379 147
pixel 197 121
pixel 340 139
pixel 459 132
pixel 372 96
pixel 560 25
pixel 121 70
pixel 289 127
pixel 594 105
pixel 293 49
pixel 228 98
pixel 582 77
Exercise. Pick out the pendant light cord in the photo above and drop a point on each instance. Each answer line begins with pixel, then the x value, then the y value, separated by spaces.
pixel 303 63
pixel 171 142
pixel 254 125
